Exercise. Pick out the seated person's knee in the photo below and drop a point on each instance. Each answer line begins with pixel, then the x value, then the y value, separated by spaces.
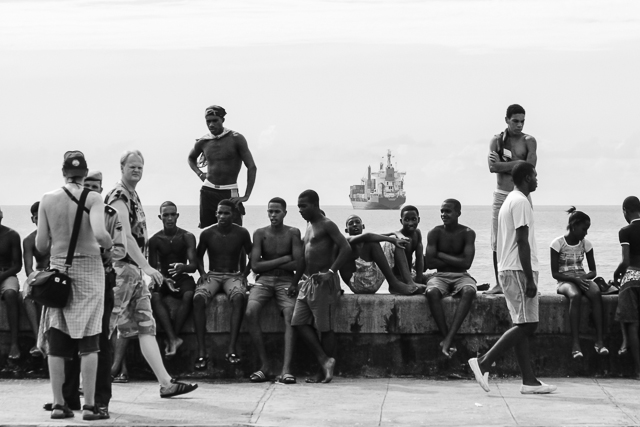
pixel 287 314
pixel 199 301
pixel 10 296
pixel 468 291
pixel 187 297
pixel 237 299
pixel 434 293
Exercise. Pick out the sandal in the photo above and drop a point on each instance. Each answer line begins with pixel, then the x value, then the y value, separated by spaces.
pixel 121 379
pixel 93 414
pixel 232 358
pixel 577 354
pixel 176 388
pixel 258 377
pixel 201 363
pixel 286 379
pixel 59 412
pixel 622 351
pixel 601 350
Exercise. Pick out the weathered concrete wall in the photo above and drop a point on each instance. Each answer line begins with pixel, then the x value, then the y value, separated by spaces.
pixel 381 335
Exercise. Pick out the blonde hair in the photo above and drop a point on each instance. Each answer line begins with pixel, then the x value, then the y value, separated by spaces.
pixel 125 156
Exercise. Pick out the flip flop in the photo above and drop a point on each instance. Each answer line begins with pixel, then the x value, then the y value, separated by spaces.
pixel 622 351
pixel 577 354
pixel 121 379
pixel 35 352
pixel 201 363
pixel 258 377
pixel 601 350
pixel 311 381
pixel 176 388
pixel 286 379
pixel 232 358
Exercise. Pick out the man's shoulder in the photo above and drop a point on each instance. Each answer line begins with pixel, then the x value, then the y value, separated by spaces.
pixel 466 229
pixel 185 233
pixel 9 232
pixel 156 236
pixel 31 237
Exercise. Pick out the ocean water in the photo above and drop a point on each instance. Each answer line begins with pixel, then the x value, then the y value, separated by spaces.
pixel 551 222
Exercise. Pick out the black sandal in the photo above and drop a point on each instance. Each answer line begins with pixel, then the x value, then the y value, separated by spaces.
pixel 94 415
pixel 176 388
pixel 59 412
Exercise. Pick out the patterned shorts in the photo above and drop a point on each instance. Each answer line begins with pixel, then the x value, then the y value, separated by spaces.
pixel 132 313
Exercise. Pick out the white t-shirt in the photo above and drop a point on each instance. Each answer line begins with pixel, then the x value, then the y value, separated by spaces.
pixel 571 257
pixel 516 212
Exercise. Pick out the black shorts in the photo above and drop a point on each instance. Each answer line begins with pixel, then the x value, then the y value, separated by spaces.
pixel 628 310
pixel 184 284
pixel 209 199
pixel 62 345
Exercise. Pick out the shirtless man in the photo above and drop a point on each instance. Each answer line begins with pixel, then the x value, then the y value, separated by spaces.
pixel 29 253
pixel 450 250
pixel 224 242
pixel 370 264
pixel 506 150
pixel 410 218
pixel 277 250
pixel 10 265
pixel 223 151
pixel 169 251
pixel 627 277
pixel 325 252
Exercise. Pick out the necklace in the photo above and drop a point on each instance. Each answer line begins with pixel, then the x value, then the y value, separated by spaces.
pixel 170 238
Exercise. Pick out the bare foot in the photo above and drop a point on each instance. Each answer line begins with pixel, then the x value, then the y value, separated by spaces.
pixel 448 350
pixel 14 353
pixel 496 290
pixel 172 347
pixel 328 370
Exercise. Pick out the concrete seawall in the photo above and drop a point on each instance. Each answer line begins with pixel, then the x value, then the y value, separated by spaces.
pixel 382 335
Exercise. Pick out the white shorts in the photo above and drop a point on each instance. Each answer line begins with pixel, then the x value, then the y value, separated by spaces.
pixel 522 308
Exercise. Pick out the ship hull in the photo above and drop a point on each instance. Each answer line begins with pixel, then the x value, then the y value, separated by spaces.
pixel 381 204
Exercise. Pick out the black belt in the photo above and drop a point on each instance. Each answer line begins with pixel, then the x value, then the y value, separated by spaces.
pixel 216 270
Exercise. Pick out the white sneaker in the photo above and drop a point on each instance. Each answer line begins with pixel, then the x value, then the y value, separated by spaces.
pixel 483 380
pixel 538 389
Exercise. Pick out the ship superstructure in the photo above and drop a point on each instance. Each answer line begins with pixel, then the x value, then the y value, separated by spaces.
pixel 383 189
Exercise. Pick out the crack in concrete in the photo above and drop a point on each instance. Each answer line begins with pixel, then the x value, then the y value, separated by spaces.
pixel 261 403
pixel 513 417
pixel 612 400
pixel 384 399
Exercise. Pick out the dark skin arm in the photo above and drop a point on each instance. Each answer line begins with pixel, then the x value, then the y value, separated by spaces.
pixel 344 252
pixel 248 247
pixel 372 237
pixel 178 267
pixel 622 267
pixel 419 258
pixel 468 254
pixel 28 256
pixel 154 260
pixel 302 266
pixel 200 251
pixel 16 257
pixel 193 159
pixel 258 265
pixel 252 169
pixel 524 253
pixel 431 260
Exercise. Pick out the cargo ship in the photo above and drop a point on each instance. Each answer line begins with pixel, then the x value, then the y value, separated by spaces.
pixel 383 189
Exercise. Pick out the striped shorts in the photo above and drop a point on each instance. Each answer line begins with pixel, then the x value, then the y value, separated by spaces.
pixel 522 308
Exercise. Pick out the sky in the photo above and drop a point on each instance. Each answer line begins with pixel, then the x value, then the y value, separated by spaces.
pixel 321 89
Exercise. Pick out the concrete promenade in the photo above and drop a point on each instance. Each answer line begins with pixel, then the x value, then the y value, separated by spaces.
pixel 357 402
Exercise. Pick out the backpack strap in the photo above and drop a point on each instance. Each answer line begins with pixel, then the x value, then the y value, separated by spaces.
pixel 76 225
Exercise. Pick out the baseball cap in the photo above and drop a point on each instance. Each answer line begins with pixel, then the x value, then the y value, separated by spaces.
pixel 94 176
pixel 74 164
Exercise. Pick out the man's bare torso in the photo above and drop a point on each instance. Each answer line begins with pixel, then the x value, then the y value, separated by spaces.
pixel 518 147
pixel 8 239
pixel 171 249
pixel 451 242
pixel 319 248
pixel 42 260
pixel 223 158
pixel 224 248
pixel 275 243
pixel 414 241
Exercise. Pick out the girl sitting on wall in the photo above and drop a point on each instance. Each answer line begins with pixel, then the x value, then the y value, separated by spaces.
pixel 567 254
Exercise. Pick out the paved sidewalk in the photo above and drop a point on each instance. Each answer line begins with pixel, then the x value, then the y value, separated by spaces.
pixel 357 402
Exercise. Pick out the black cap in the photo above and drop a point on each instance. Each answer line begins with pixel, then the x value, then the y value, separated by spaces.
pixel 74 164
